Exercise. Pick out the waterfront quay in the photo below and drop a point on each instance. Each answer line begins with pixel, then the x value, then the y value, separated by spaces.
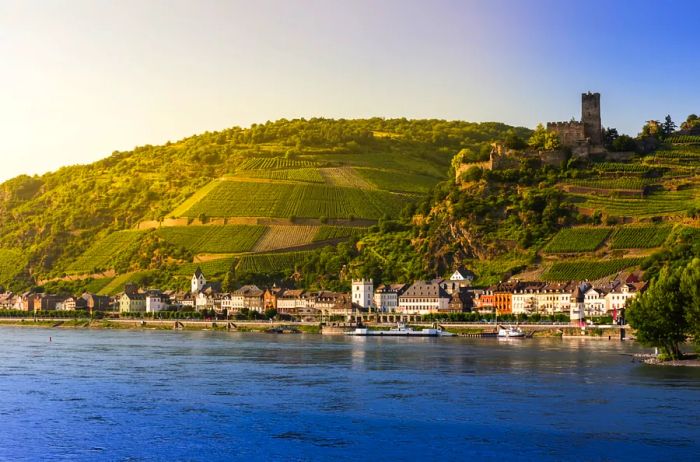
pixel 464 329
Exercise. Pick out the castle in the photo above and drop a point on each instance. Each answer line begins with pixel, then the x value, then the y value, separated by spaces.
pixel 584 137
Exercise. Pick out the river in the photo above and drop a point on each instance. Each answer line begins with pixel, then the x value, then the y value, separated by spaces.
pixel 155 395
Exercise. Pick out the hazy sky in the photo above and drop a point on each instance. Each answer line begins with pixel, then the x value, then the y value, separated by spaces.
pixel 80 79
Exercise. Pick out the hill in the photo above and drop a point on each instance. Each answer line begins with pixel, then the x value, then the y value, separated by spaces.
pixel 285 186
pixel 316 202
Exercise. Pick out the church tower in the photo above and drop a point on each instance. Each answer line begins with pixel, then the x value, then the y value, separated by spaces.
pixel 198 281
pixel 590 116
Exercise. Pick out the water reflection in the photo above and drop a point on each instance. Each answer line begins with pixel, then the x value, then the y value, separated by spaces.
pixel 223 396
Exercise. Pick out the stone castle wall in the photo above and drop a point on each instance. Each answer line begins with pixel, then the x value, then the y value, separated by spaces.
pixel 569 132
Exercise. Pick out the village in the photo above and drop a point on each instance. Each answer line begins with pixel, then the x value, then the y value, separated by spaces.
pixel 388 303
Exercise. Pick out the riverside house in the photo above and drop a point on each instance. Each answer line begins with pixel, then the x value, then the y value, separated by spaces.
pixel 424 297
pixel 248 296
pixel 132 302
pixel 386 297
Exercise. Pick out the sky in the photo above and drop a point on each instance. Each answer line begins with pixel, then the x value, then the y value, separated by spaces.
pixel 81 79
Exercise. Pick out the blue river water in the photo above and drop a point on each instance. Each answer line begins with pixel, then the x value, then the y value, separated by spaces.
pixel 157 395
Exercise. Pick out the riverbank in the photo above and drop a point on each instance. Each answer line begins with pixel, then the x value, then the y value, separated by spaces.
pixel 290 327
pixel 689 360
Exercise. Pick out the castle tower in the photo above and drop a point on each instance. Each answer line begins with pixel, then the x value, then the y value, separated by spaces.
pixel 590 116
pixel 362 292
pixel 198 281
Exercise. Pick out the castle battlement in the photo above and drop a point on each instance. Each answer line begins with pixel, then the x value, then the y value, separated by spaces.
pixel 571 123
pixel 589 130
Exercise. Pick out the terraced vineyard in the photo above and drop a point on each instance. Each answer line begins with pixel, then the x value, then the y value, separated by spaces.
pixel 398 181
pixel 657 203
pixel 103 253
pixel 273 163
pixel 684 139
pixel 308 175
pixel 345 177
pixel 639 237
pixel 213 269
pixel 678 155
pixel 587 269
pixel 271 263
pixel 622 167
pixel 579 239
pixel 623 183
pixel 280 237
pixel 244 199
pixel 337 232
pixel 213 239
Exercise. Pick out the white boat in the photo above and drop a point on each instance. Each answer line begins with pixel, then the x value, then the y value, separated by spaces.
pixel 401 331
pixel 510 332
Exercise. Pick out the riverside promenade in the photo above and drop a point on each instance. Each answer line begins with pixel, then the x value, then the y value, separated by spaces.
pixel 464 329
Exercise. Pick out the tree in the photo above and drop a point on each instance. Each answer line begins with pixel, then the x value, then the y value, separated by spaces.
pixel 668 127
pixel 651 128
pixel 543 139
pixel 624 143
pixel 513 141
pixel 692 121
pixel 229 282
pixel 690 286
pixel 473 173
pixel 270 313
pixel 659 314
pixel 609 136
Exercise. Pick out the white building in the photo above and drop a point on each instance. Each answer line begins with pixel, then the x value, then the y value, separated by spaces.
pixel 525 299
pixel 555 297
pixel 462 276
pixel 362 291
pixel 618 298
pixel 424 298
pixel 198 281
pixel 204 301
pixel 386 297
pixel 594 302
pixel 156 301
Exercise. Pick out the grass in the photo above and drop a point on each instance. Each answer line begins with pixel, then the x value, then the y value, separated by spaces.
pixel 248 199
pixel 116 285
pixel 97 285
pixel 640 237
pixel 580 239
pixel 587 269
pixel 213 239
pixel 102 254
pixel 271 263
pixel 193 199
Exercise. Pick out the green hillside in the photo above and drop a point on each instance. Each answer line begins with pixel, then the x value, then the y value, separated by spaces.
pixel 65 222
pixel 318 201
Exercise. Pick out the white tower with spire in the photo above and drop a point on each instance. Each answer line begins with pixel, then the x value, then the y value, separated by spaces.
pixel 198 281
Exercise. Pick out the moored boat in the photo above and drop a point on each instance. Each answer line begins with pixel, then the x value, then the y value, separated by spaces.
pixel 401 331
pixel 510 332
